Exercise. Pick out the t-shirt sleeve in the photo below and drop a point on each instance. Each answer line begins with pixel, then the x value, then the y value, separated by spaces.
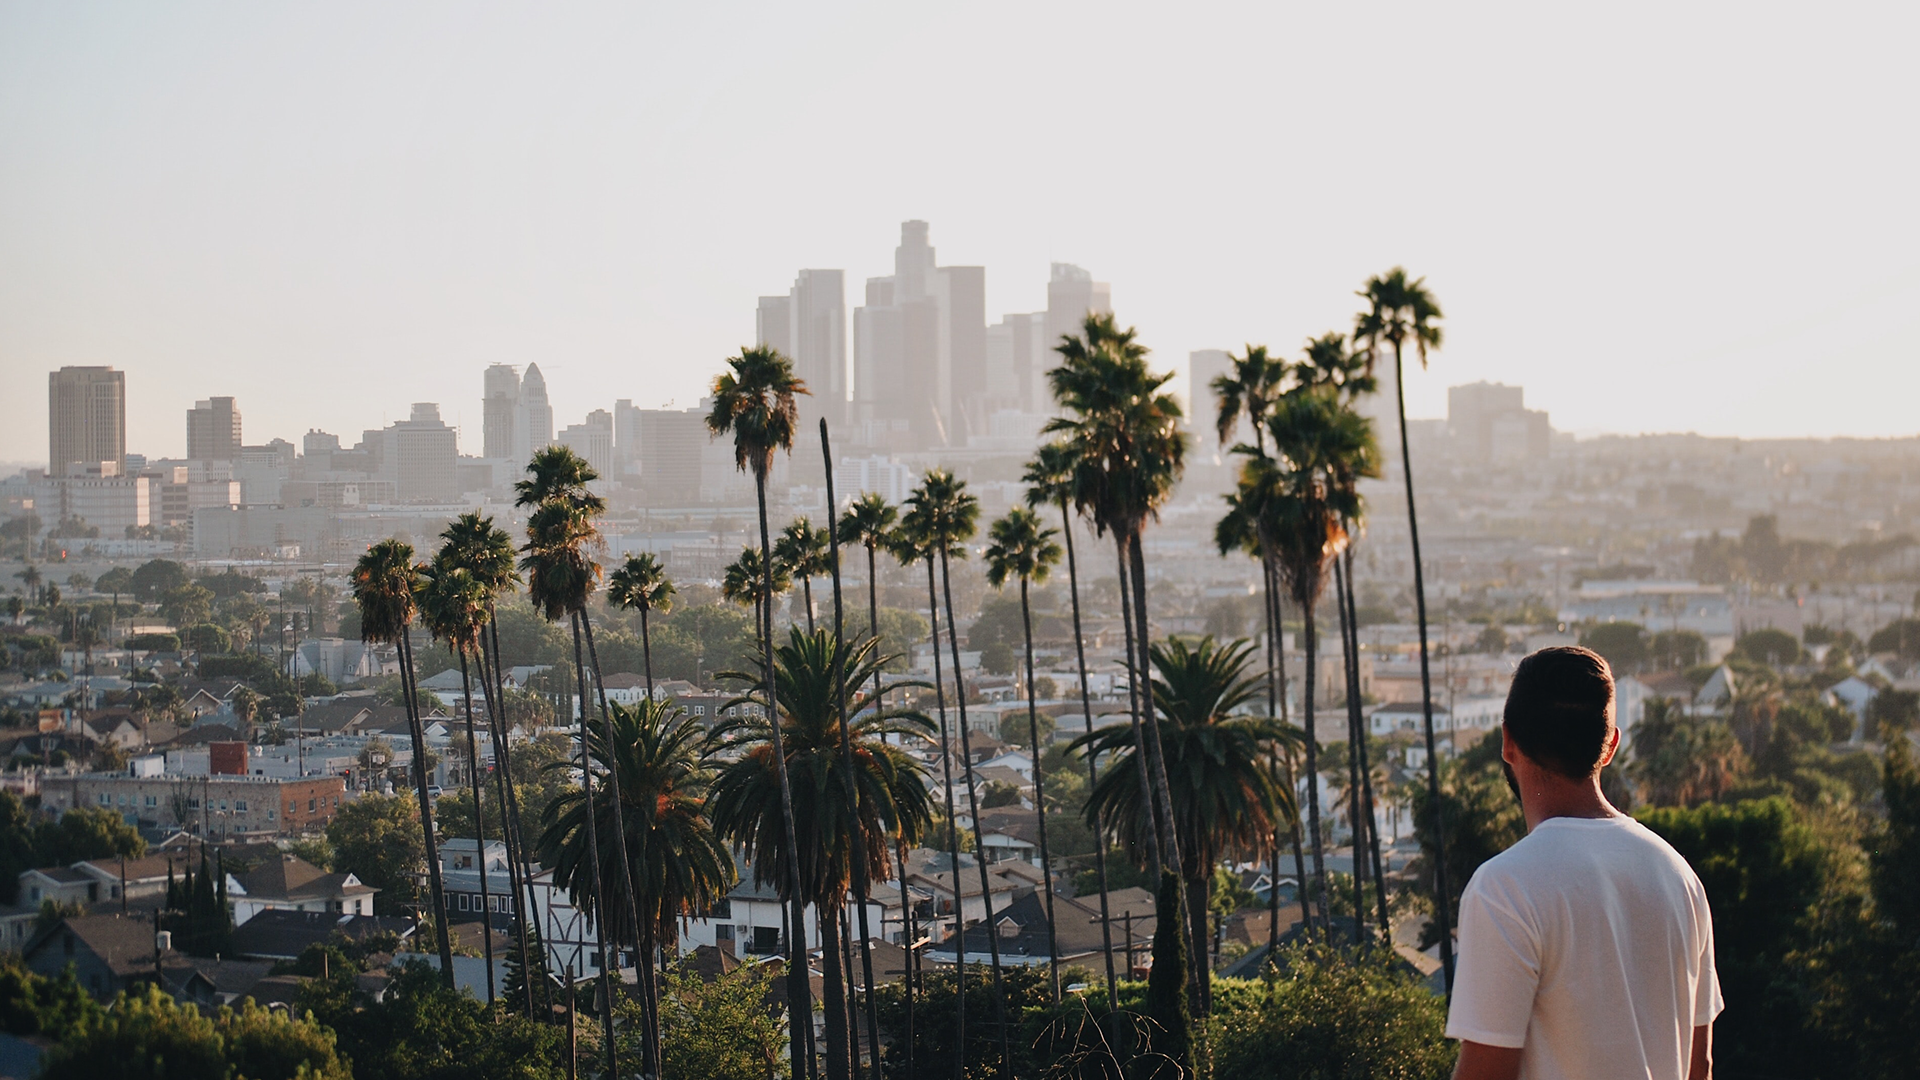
pixel 1707 1002
pixel 1498 972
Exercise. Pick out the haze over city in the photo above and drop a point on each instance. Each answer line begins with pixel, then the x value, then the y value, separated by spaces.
pixel 1655 220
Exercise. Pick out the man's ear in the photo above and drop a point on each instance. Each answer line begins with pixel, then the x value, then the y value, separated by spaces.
pixel 1613 747
pixel 1509 750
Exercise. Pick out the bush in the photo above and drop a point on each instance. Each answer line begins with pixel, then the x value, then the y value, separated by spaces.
pixel 152 1036
pixel 154 642
pixel 1333 1014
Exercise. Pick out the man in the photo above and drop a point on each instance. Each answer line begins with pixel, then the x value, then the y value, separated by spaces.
pixel 1586 949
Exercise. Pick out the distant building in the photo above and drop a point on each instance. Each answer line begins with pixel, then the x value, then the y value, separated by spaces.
pixel 671 442
pixel 1072 295
pixel 290 883
pixel 500 411
pixel 592 440
pixel 420 455
pixel 920 351
pixel 1016 361
pixel 627 421
pixel 213 430
pixel 533 424
pixel 222 805
pixel 86 419
pixel 1490 422
pixel 1203 407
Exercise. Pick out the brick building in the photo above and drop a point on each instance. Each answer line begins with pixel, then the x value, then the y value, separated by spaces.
pixel 211 805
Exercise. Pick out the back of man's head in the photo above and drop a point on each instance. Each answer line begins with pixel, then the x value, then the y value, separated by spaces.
pixel 1560 710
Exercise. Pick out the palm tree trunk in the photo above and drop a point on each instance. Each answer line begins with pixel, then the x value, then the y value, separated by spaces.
pixel 603 913
pixel 806 589
pixel 436 893
pixel 1299 856
pixel 1157 759
pixel 1136 687
pixel 630 886
pixel 833 989
pixel 649 988
pixel 1093 775
pixel 479 823
pixel 1366 771
pixel 860 863
pixel 873 621
pixel 1040 793
pixel 953 835
pixel 1270 608
pixel 799 992
pixel 646 649
pixel 1313 773
pixel 519 865
pixel 973 809
pixel 1440 893
pixel 1350 663
pixel 1199 893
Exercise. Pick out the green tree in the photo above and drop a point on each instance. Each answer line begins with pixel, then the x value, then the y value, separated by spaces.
pixel 1681 760
pixel 869 522
pixel 1334 1013
pixel 680 866
pixel 641 584
pixel 420 1030
pixel 940 999
pixel 1479 818
pixel 385 581
pixel 378 839
pixel 893 805
pixel 1900 637
pixel 1770 647
pixel 1623 644
pixel 186 605
pixel 149 1035
pixel 721 1029
pixel 1166 1004
pixel 802 551
pixel 85 832
pixel 155 579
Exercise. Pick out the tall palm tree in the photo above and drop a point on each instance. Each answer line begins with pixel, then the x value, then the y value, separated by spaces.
pixel 892 807
pixel 945 512
pixel 1022 549
pixel 1129 453
pixel 681 864
pixel 1303 504
pixel 1249 391
pixel 641 584
pixel 869 521
pixel 1402 312
pixel 384 583
pixel 754 402
pixel 561 575
pixel 1049 480
pixel 453 606
pixel 745 582
pixel 1225 798
pixel 486 552
pixel 803 549
pixel 914 541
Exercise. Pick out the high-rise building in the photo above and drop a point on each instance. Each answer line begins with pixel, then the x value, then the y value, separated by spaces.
pixel 671 441
pixel 1017 361
pixel 86 420
pixel 1203 408
pixel 1491 422
pixel 809 327
pixel 627 422
pixel 213 430
pixel 920 349
pixel 592 440
pixel 500 411
pixel 1072 295
pixel 420 456
pixel 773 324
pixel 533 424
pixel 963 310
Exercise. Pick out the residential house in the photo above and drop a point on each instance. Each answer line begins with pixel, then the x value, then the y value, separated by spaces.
pixel 109 953
pixel 290 883
pixel 283 934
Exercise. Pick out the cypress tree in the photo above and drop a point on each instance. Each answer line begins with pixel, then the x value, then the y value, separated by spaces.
pixel 1166 1002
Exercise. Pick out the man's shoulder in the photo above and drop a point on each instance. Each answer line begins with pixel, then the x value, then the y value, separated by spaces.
pixel 1559 850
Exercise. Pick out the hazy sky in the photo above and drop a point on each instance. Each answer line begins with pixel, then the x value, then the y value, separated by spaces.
pixel 1654 216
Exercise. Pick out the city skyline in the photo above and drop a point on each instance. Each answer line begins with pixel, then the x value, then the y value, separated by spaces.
pixel 1648 229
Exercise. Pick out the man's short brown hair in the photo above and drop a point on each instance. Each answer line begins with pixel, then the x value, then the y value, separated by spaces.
pixel 1560 709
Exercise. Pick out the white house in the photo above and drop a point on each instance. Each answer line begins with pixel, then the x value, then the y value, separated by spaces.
pixel 1856 694
pixel 290 883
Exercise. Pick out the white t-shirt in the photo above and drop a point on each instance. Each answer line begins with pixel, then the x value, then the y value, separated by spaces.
pixel 1589 945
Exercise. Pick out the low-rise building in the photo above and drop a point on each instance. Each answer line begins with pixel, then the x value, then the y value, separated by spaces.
pixel 215 805
pixel 290 883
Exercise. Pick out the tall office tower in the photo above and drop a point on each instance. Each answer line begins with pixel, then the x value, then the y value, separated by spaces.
pixel 1491 422
pixel 1072 295
pixel 592 440
pixel 420 456
pixel 86 419
pixel 818 305
pixel 878 366
pixel 671 441
pixel 627 422
pixel 773 324
pixel 1203 408
pixel 213 430
pixel 1017 359
pixel 533 423
pixel 500 410
pixel 963 310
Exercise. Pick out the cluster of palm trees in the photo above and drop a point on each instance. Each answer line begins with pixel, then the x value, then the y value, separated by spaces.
pixel 812 778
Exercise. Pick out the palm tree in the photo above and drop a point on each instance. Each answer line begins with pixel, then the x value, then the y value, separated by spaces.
pixel 31 578
pixel 893 806
pixel 915 541
pixel 744 582
pixel 1225 798
pixel 1249 390
pixel 485 551
pixel 453 605
pixel 1023 549
pixel 384 583
pixel 1300 502
pixel 1400 312
pixel 869 521
pixel 803 549
pixel 1049 480
pixel 641 584
pixel 561 575
pixel 662 758
pixel 1129 453
pixel 754 402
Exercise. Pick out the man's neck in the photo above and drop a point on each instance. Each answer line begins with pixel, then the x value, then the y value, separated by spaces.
pixel 1551 798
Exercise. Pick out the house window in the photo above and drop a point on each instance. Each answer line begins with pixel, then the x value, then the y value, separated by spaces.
pixel 193 803
pixel 106 799
pixel 240 805
pixel 463 901
pixel 292 808
pixel 310 805
pixel 153 800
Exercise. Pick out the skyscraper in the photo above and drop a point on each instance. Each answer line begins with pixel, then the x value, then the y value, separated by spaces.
pixel 963 310
pixel 500 411
pixel 1072 295
pixel 593 440
pixel 213 430
pixel 920 348
pixel 773 324
pixel 1203 408
pixel 533 417
pixel 627 422
pixel 86 419
pixel 809 327
pixel 419 455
